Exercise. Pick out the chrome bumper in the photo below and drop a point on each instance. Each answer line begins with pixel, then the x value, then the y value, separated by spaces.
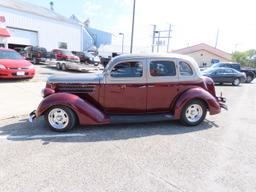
pixel 32 116
pixel 222 102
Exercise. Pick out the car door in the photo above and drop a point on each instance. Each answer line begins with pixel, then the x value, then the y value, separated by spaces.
pixel 219 76
pixel 125 88
pixel 229 75
pixel 162 84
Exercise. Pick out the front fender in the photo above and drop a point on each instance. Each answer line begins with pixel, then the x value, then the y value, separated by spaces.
pixel 87 114
pixel 196 93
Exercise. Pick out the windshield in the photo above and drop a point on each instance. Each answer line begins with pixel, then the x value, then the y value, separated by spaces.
pixel 4 54
pixel 67 53
pixel 208 71
pixel 215 65
pixel 88 54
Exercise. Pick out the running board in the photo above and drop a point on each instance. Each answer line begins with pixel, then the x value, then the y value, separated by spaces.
pixel 141 118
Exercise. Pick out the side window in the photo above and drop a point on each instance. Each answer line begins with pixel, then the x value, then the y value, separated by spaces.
pixel 185 69
pixel 220 71
pixel 162 68
pixel 127 69
pixel 230 71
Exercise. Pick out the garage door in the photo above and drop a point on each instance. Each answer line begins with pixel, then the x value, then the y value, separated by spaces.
pixel 22 37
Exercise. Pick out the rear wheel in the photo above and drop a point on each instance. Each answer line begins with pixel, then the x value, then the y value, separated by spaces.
pixel 249 79
pixel 34 60
pixel 63 67
pixel 58 66
pixel 60 118
pixel 193 113
pixel 236 82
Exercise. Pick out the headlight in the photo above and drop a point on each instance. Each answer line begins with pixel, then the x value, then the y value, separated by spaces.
pixel 31 67
pixel 2 67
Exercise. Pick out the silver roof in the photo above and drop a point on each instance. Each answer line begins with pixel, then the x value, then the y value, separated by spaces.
pixel 23 6
pixel 154 56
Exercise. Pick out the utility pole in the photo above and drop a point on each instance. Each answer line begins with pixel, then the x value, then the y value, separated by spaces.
pixel 153 39
pixel 169 33
pixel 133 16
pixel 166 35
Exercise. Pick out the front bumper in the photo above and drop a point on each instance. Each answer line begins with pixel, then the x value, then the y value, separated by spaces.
pixel 32 116
pixel 14 74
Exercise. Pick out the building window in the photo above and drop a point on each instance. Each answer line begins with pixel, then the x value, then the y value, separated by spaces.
pixel 162 68
pixel 63 45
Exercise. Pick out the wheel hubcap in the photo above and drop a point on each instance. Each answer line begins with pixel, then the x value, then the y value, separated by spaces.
pixel 194 113
pixel 58 118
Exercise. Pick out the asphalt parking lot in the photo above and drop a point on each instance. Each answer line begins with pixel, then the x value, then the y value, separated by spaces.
pixel 218 155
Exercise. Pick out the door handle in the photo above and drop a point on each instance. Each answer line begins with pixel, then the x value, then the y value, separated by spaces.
pixel 122 86
pixel 143 86
pixel 150 86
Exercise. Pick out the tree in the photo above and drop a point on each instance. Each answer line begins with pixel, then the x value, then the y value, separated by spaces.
pixel 240 57
pixel 245 58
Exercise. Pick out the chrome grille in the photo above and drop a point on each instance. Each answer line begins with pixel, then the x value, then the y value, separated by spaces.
pixel 75 88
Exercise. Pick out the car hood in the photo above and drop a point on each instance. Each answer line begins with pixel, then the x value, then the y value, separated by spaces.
pixel 77 78
pixel 13 63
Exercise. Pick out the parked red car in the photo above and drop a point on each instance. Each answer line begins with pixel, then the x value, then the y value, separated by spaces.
pixel 13 65
pixel 64 55
pixel 132 88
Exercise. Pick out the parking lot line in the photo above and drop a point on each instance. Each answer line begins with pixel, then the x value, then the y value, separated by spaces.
pixel 42 136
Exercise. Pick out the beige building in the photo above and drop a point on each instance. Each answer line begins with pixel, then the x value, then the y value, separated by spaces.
pixel 205 55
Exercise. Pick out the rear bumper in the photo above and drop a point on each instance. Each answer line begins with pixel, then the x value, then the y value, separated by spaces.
pixel 221 100
pixel 32 116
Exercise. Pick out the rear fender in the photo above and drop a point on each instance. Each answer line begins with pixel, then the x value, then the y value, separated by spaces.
pixel 86 113
pixel 196 93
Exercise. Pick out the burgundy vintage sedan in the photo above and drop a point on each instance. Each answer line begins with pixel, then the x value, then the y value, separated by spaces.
pixel 132 88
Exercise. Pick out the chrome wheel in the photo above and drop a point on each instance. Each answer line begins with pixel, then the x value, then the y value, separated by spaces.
pixel 58 118
pixel 194 113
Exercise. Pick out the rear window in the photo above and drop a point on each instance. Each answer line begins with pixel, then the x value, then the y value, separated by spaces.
pixel 162 68
pixel 10 55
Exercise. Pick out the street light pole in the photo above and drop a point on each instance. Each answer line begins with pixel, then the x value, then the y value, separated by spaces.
pixel 133 15
pixel 122 42
pixel 158 41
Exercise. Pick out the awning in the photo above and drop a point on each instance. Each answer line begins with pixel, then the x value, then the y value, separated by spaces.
pixel 4 33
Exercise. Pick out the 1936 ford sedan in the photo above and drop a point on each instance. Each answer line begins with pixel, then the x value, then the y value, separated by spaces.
pixel 132 88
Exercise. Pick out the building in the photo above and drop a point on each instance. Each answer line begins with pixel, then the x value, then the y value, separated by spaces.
pixel 204 54
pixel 29 24
pixel 23 24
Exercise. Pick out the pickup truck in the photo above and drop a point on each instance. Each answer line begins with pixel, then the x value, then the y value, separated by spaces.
pixel 132 88
pixel 250 72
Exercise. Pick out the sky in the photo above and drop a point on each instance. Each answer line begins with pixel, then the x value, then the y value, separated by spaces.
pixel 192 22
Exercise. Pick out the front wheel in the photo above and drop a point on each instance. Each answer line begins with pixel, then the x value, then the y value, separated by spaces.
pixel 60 118
pixel 193 113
